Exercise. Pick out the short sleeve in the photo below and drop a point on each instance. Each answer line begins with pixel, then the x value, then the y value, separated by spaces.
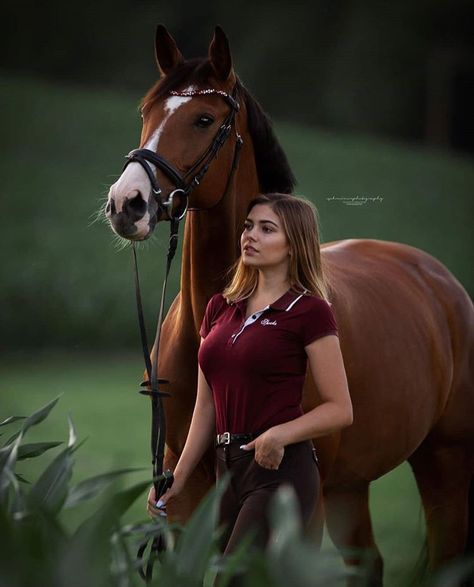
pixel 318 321
pixel 210 314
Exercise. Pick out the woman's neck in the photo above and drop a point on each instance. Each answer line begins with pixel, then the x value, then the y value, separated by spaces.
pixel 271 284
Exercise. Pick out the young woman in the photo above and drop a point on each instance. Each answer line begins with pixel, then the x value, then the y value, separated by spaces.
pixel 256 340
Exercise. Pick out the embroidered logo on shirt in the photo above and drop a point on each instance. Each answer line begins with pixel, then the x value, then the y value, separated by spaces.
pixel 266 322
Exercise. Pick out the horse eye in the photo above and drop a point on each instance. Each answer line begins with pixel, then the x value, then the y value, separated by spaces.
pixel 204 121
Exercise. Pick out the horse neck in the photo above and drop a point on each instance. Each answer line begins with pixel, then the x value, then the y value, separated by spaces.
pixel 211 239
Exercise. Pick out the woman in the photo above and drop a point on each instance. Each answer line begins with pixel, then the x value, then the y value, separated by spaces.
pixel 256 340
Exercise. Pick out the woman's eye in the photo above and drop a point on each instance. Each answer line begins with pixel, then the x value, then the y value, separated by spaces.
pixel 247 226
pixel 267 229
pixel 204 121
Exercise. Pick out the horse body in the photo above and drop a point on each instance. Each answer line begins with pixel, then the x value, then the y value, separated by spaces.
pixel 392 303
pixel 405 324
pixel 406 334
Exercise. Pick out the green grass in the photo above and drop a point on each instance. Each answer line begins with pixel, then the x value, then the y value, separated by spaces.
pixel 100 392
pixel 64 284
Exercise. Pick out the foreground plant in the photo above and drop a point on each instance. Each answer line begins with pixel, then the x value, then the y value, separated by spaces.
pixel 37 550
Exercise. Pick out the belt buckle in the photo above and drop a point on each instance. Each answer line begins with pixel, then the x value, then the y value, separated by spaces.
pixel 224 438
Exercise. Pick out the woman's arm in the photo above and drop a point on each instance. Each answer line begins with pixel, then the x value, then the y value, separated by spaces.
pixel 200 435
pixel 201 432
pixel 334 413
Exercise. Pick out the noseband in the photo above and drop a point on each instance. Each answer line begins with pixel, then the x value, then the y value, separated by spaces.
pixel 184 185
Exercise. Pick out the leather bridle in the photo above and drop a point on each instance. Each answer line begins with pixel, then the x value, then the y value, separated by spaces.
pixel 184 186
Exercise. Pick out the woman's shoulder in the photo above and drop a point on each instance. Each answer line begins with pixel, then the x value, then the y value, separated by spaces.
pixel 317 318
pixel 217 300
pixel 216 304
pixel 314 301
pixel 215 307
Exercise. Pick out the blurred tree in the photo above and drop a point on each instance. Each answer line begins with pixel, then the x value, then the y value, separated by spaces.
pixel 360 65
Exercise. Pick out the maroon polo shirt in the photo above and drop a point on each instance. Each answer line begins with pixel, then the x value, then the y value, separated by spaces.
pixel 256 367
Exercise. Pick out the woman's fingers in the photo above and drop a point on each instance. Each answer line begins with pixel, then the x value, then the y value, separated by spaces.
pixel 270 461
pixel 157 508
pixel 155 512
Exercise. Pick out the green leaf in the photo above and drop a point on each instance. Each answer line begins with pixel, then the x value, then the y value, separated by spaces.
pixel 8 457
pixel 72 432
pixel 286 519
pixel 196 545
pixel 91 487
pixel 12 438
pixel 115 506
pixel 91 541
pixel 292 560
pixel 40 415
pixel 51 489
pixel 459 571
pixel 11 419
pixel 231 565
pixel 27 451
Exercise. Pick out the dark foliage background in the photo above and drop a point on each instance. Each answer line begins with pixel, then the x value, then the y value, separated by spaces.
pixel 360 65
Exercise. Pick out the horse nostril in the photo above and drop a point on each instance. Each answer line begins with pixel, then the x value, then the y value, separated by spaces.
pixel 110 209
pixel 135 207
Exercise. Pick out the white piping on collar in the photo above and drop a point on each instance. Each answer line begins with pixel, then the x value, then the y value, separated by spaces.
pixel 294 301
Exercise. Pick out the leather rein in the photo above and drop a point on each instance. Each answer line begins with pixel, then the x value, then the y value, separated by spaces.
pixel 151 387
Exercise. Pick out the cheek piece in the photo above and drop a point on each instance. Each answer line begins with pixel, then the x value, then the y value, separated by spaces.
pixel 176 205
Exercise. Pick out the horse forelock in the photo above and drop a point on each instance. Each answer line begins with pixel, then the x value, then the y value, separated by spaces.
pixel 191 72
pixel 273 168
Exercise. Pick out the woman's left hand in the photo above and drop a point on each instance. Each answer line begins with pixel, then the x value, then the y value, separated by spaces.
pixel 269 450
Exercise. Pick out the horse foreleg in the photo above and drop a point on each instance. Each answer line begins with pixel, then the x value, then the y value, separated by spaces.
pixel 443 475
pixel 350 528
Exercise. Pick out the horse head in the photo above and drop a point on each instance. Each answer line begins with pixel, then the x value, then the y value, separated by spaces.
pixel 190 116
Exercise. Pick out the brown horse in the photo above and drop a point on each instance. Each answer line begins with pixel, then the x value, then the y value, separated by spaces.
pixel 406 324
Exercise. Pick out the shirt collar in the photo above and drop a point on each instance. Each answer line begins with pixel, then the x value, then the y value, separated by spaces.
pixel 285 302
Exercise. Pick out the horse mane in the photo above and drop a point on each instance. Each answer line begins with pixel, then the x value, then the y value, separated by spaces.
pixel 273 169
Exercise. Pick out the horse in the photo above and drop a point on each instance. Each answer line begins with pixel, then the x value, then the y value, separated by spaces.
pixel 405 323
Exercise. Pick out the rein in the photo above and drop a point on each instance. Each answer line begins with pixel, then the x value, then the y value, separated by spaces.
pixel 151 387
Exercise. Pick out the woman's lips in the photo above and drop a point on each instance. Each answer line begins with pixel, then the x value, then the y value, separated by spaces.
pixel 250 250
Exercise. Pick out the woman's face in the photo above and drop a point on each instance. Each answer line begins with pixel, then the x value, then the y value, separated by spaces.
pixel 263 242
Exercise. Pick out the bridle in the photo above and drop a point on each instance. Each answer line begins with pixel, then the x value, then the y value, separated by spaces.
pixel 184 186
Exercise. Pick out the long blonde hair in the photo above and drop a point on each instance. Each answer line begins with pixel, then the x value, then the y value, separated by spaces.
pixel 300 223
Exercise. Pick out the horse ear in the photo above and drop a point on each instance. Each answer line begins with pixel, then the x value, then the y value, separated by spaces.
pixel 167 54
pixel 219 54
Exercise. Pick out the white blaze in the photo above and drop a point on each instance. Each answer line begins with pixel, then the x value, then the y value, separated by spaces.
pixel 134 179
pixel 171 105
